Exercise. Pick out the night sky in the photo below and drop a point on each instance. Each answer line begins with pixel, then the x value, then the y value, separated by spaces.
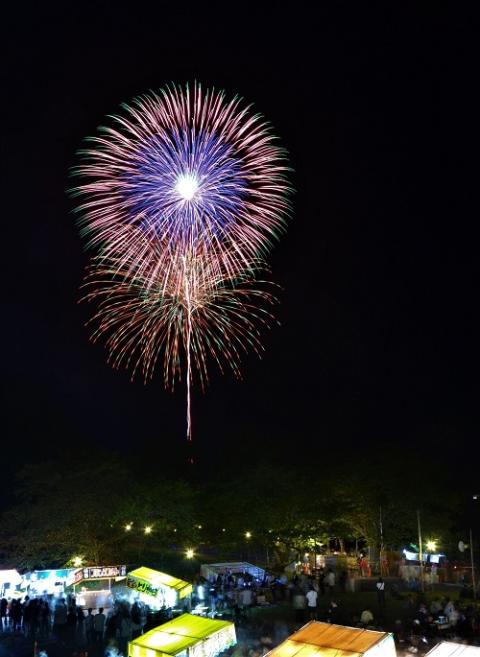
pixel 377 352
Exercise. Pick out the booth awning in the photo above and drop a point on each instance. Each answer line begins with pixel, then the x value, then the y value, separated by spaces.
pixel 209 570
pixel 452 649
pixel 10 577
pixel 177 635
pixel 326 640
pixel 156 579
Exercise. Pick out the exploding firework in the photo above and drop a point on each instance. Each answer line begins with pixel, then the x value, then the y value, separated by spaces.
pixel 181 198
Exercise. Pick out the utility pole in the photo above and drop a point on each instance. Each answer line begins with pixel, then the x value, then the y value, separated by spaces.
pixel 473 566
pixel 420 547
pixel 381 544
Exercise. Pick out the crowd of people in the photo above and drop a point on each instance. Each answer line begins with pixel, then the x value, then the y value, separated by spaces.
pixel 311 597
pixel 41 618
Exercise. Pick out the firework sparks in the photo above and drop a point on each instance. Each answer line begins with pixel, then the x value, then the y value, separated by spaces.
pixel 182 199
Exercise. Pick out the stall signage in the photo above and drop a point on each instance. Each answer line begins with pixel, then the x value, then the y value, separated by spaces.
pixel 100 572
pixel 141 586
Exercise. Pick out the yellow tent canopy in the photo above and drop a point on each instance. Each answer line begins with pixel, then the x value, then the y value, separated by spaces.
pixel 184 633
pixel 325 640
pixel 155 579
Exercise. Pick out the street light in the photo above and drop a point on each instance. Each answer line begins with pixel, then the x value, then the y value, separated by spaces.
pixel 189 553
pixel 128 527
pixel 431 546
pixel 77 561
pixel 148 529
pixel 248 534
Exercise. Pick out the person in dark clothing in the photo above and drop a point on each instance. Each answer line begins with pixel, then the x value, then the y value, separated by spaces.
pixel 16 612
pixel 111 626
pixel 80 623
pixel 44 620
pixel 3 613
pixel 71 622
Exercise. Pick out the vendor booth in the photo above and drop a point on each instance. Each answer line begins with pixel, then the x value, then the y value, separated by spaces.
pixel 186 636
pixel 92 586
pixel 158 589
pixel 451 649
pixel 48 582
pixel 325 640
pixel 9 581
pixel 211 570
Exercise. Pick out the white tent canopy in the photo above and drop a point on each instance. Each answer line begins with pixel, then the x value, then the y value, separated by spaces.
pixel 10 577
pixel 212 570
pixel 452 649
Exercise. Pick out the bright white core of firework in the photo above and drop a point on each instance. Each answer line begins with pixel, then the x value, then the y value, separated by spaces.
pixel 186 186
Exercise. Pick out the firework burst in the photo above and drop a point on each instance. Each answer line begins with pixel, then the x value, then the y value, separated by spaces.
pixel 181 198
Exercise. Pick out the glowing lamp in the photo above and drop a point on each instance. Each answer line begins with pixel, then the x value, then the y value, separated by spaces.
pixel 186 186
pixel 148 529
pixel 128 527
pixel 77 562
pixel 248 535
pixel 189 553
pixel 431 546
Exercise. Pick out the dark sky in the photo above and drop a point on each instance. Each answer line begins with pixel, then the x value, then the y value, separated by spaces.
pixel 378 348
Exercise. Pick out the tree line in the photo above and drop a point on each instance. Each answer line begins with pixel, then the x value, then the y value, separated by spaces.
pixel 106 511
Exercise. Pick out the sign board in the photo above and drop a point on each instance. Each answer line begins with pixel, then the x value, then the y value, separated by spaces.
pixel 141 586
pixel 99 572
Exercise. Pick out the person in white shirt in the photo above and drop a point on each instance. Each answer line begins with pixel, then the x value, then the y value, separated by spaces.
pixel 312 603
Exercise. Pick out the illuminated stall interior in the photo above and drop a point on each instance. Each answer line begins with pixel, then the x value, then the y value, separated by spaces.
pixel 325 640
pixel 158 589
pixel 186 636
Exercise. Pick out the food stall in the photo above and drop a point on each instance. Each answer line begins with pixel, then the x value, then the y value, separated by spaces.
pixel 317 639
pixel 158 589
pixel 92 585
pixel 48 582
pixel 210 571
pixel 186 636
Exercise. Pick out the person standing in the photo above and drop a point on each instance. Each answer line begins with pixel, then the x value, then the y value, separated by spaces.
pixel 99 625
pixel 60 619
pixel 89 631
pixel 3 613
pixel 312 603
pixel 330 581
pixel 299 604
pixel 381 593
